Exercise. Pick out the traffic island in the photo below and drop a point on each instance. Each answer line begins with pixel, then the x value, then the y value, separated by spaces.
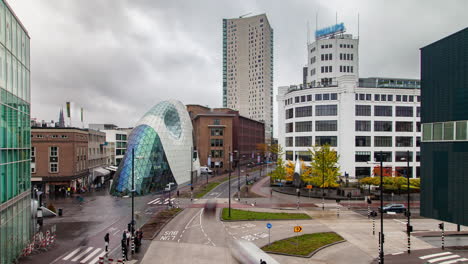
pixel 157 222
pixel 245 215
pixel 303 246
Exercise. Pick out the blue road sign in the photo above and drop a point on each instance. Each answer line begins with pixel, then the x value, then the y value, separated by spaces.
pixel 269 225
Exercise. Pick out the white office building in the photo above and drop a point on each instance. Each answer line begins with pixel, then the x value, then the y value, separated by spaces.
pixel 116 142
pixel 358 117
pixel 248 68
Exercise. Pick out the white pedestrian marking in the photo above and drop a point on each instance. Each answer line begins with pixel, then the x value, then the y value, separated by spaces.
pixel 443 258
pixel 91 255
pixel 71 254
pixel 97 258
pixel 435 255
pixel 154 201
pixel 454 261
pixel 82 254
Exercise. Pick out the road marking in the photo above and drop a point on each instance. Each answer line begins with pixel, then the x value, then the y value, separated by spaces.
pixel 399 221
pixel 82 254
pixel 435 255
pixel 399 253
pixel 71 254
pixel 154 201
pixel 169 235
pixel 443 258
pixel 97 258
pixel 90 255
pixel 454 261
pixel 116 232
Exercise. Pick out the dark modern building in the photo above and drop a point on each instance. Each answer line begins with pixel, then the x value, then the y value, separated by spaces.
pixel 444 114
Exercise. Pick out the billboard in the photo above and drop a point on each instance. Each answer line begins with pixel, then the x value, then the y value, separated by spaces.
pixel 329 31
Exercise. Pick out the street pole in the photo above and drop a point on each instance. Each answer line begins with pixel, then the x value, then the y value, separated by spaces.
pixel 408 212
pixel 381 240
pixel 229 184
pixel 323 180
pixel 238 175
pixel 133 194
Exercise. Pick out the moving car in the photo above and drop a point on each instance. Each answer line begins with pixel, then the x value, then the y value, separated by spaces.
pixel 396 208
pixel 205 169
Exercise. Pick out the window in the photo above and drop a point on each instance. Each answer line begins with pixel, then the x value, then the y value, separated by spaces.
pixel 53 152
pixel 363 125
pixel 402 155
pixel 326 125
pixel 427 132
pixel 382 141
pixel 304 126
pixel 323 140
pixel 53 167
pixel 383 97
pixel 362 172
pixel 403 141
pixel 404 126
pixel 303 141
pixel 304 155
pixel 217 153
pixel 326 97
pixel 404 172
pixel 418 111
pixel 216 131
pixel 390 98
pixel 362 156
pixel 363 141
pixel 361 97
pixel 404 111
pixel 383 126
pixel 289 113
pixel 289 141
pixel 405 98
pixel 216 142
pixel 418 141
pixel 368 97
pixel 289 155
pixel 460 132
pixel 363 110
pixel 303 98
pixel 296 99
pixel 289 128
pixel 33 151
pixel 386 156
pixel 437 133
pixel 309 98
pixel 418 156
pixel 382 110
pixel 376 97
pixel 398 98
pixel 326 110
pixel 303 111
pixel 216 122
pixel 448 130
pixel 318 97
pixel 411 98
pixel 333 96
pixel 418 98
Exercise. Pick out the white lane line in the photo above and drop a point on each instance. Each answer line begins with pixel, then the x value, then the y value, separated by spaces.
pixel 97 258
pixel 91 255
pixel 193 217
pixel 116 232
pixel 399 221
pixel 71 254
pixel 399 253
pixel 454 261
pixel 82 254
pixel 443 258
pixel 435 255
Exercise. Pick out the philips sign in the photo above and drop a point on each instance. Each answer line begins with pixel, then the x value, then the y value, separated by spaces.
pixel 329 31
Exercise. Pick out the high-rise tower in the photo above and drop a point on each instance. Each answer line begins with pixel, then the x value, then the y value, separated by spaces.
pixel 248 68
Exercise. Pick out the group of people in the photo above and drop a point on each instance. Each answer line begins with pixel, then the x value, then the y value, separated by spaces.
pixel 126 242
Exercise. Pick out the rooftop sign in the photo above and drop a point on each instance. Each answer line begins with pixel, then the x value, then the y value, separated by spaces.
pixel 329 31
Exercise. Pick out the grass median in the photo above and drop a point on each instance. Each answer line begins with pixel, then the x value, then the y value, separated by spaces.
pixel 238 215
pixel 206 189
pixel 308 243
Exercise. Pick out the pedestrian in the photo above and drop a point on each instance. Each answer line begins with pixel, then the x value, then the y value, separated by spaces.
pixel 271 192
pixel 106 241
pixel 128 236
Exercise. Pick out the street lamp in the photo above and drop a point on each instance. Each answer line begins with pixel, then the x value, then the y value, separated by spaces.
pixel 408 212
pixel 229 188
pixel 323 180
pixel 381 234
pixel 238 174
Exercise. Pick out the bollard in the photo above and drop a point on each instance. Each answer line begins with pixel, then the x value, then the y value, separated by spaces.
pixel 101 260
pixel 133 244
pixel 380 255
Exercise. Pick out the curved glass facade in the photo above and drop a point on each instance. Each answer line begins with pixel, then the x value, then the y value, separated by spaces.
pixel 162 142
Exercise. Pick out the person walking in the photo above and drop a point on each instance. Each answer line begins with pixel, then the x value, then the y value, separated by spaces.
pixel 128 237
pixel 106 242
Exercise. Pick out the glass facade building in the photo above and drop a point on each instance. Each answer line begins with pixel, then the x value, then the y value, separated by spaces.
pixel 160 150
pixel 15 136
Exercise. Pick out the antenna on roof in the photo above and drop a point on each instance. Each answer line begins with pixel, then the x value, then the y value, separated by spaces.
pixel 358 25
pixel 245 15
pixel 308 33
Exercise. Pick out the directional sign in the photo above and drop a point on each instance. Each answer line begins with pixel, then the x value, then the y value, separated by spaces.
pixel 269 225
pixel 298 229
pixel 309 186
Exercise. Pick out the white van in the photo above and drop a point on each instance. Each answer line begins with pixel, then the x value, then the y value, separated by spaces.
pixel 205 169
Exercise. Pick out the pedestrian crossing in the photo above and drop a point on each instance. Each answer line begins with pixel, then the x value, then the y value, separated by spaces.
pixel 88 255
pixel 161 201
pixel 444 258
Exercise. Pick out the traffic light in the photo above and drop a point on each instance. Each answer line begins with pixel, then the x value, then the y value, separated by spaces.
pixel 369 201
pixel 191 188
pixel 441 226
pixel 374 214
pixel 383 238
pixel 409 228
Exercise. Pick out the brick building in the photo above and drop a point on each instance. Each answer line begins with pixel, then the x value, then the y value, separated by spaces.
pixel 66 157
pixel 218 131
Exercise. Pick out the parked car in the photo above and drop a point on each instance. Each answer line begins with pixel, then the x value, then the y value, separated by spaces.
pixel 205 169
pixel 396 208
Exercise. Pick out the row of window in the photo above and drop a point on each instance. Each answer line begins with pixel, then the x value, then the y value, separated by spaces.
pixel 387 110
pixel 216 131
pixel 217 142
pixel 349 46
pixel 387 97
pixel 346 69
pixel 305 111
pixel 387 126
pixel 362 172
pixel 325 69
pixel 400 156
pixel 308 98
pixel 307 141
pixel 386 141
pixel 326 57
pixel 51 136
pixel 121 137
pixel 327 46
pixel 346 56
pixel 446 131
pixel 306 126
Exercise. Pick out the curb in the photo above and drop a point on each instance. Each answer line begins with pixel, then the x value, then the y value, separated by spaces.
pixel 164 225
pixel 311 254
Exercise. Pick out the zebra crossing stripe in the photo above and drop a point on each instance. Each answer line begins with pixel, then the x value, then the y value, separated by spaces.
pixel 454 261
pixel 82 254
pixel 90 255
pixel 97 258
pixel 443 258
pixel 71 254
pixel 435 255
pixel 154 201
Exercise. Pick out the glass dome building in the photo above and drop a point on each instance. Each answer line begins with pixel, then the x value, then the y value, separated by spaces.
pixel 162 145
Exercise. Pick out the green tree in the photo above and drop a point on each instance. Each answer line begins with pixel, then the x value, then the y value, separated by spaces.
pixel 279 173
pixel 324 165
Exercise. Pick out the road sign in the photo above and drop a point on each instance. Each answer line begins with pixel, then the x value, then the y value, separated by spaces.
pixel 309 186
pixel 298 229
pixel 269 225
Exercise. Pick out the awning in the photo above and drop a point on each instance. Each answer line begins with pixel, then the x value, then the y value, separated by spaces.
pixel 100 172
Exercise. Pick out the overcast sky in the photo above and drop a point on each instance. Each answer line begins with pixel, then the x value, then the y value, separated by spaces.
pixel 119 58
